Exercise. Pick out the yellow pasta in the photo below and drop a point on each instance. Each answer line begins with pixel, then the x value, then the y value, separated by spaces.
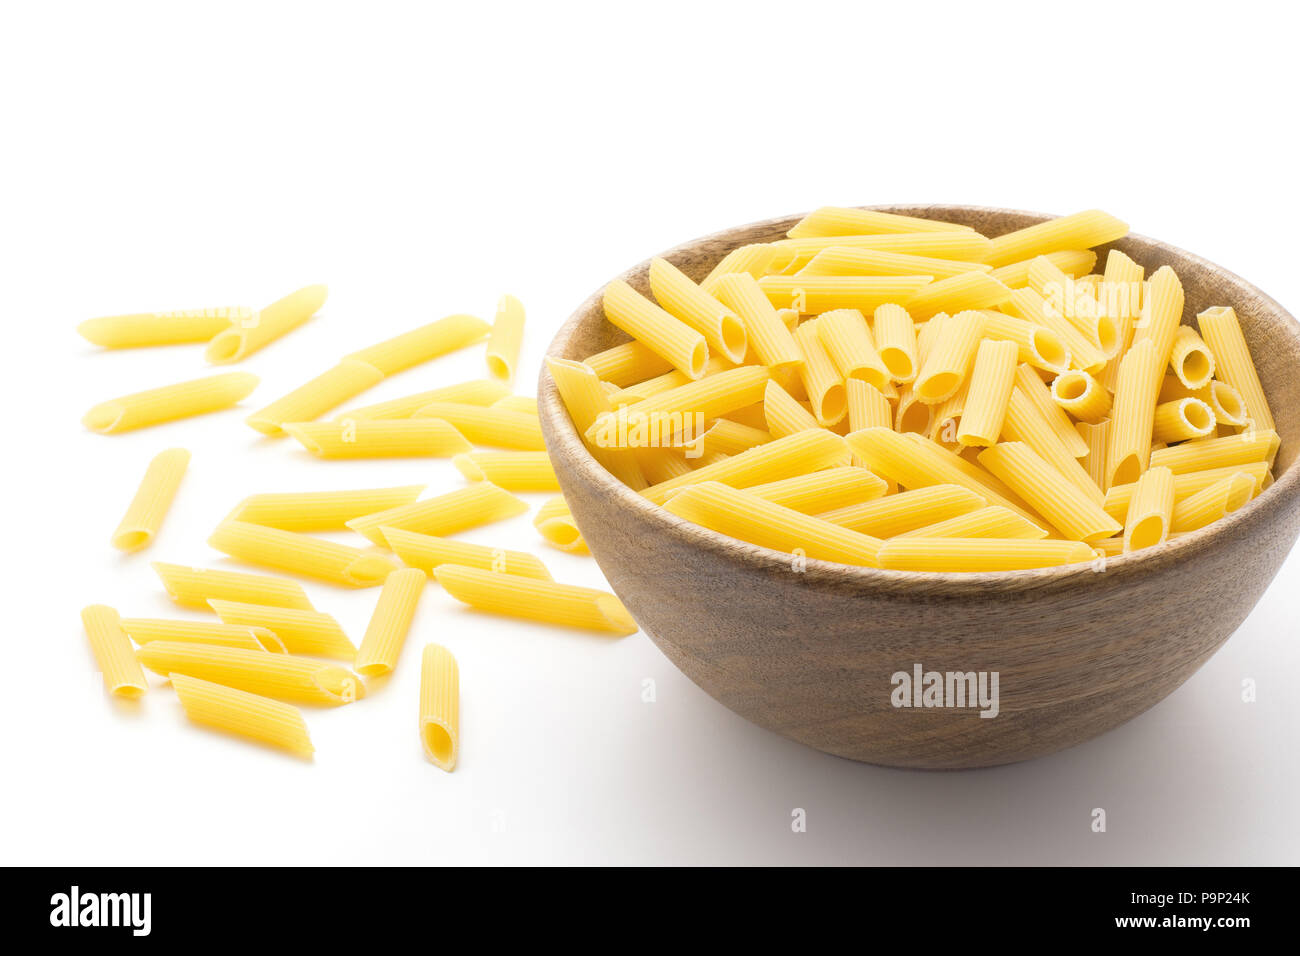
pixel 1050 493
pixel 848 261
pixel 626 364
pixel 842 221
pixel 868 406
pixel 169 403
pixel 247 715
pixel 282 676
pixel 390 622
pixel 1024 424
pixel 949 360
pixel 681 409
pixel 193 587
pixel 328 390
pixel 821 380
pixel 1205 453
pixel 1222 331
pixel 1078 231
pixel 1162 312
pixel 846 338
pixel 748 517
pixel 1073 262
pixel 113 652
pixel 656 329
pixel 1072 301
pixel 752 260
pixel 1027 304
pixel 554 522
pixel 535 600
pixel 815 294
pixel 784 415
pixel 477 504
pixel 144 516
pixel 301 554
pixel 1190 359
pixel 980 554
pixel 731 438
pixel 970 290
pixel 991 522
pixel 160 328
pixel 906 511
pixel 427 552
pixel 301 632
pixel 512 470
pixel 1228 406
pixel 506 338
pixel 1187 484
pixel 420 345
pixel 723 330
pixel 946 419
pixel 990 388
pixel 769 340
pixel 1038 346
pixel 379 438
pixel 440 706
pixel 1095 437
pixel 1181 419
pixel 1219 499
pixel 1081 395
pixel 1037 391
pixel 257 330
pixel 791 255
pixel 517 403
pixel 821 491
pixel 476 392
pixel 497 427
pixel 1128 449
pixel 895 340
pixel 142 630
pixel 581 393
pixel 1150 511
pixel 319 510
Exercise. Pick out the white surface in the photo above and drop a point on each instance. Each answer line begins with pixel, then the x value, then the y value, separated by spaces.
pixel 423 162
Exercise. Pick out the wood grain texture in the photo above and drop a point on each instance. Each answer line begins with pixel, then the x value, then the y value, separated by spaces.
pixel 809 654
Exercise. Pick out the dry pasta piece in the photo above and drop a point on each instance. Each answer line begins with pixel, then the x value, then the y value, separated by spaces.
pixel 379 438
pixel 980 554
pixel 1077 231
pixel 555 523
pixel 753 260
pixel 1186 484
pixel 786 416
pixel 848 341
pixel 581 393
pixel 868 406
pixel 1133 414
pixel 142 630
pixel 845 221
pixel 192 587
pixel 768 338
pixel 1222 331
pixel 247 715
pixel 906 511
pixel 1038 346
pixel 1081 395
pixel 848 261
pixel 970 290
pixel 1150 510
pixel 307 402
pixel 1181 419
pixel 301 554
pixel 390 622
pixel 748 517
pixel 144 516
pixel 1073 302
pixel 440 706
pixel 821 380
pixel 1038 392
pixel 1246 448
pixel 420 345
pixel 722 329
pixel 535 600
pixel 681 409
pixel 1226 402
pixel 319 510
pixel 427 552
pixel 1073 262
pixel 1049 492
pixel 731 438
pixel 517 403
pixel 506 338
pixel 816 294
pixel 821 491
pixel 497 427
pixel 895 340
pixel 791 255
pixel 477 504
pixel 990 389
pixel 1094 462
pixel 626 364
pixel 282 676
pixel 655 328
pixel 250 333
pixel 1190 359
pixel 1027 304
pixel 301 632
pixel 1024 424
pixel 169 403
pixel 475 392
pixel 113 652
pixel 143 329
pixel 512 470
pixel 949 359
pixel 993 521
pixel 1219 499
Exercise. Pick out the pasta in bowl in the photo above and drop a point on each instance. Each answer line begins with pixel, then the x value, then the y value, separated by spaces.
pixel 1019 493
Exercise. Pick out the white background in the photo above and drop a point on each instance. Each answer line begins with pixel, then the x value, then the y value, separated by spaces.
pixel 423 159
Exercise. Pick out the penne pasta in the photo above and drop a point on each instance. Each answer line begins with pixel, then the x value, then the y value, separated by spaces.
pixel 1186 484
pixel 326 391
pixel 1128 448
pixel 497 427
pixel 1205 453
pixel 1024 424
pixel 867 406
pixel 169 403
pixel 1077 231
pixel 1190 359
pixel 752 260
pixel 731 438
pixel 478 504
pixel 968 291
pixel 301 554
pixel 816 294
pixel 793 254
pixel 1027 304
pixel 427 552
pixel 1223 399
pixel 768 338
pixel 319 510
pixel 193 587
pixel 1222 331
pixel 821 491
pixel 390 622
pixel 511 470
pixel 821 380
pixel 656 329
pixel 253 332
pixel 145 329
pixel 300 631
pixel 906 511
pixel 895 340
pixel 506 338
pixel 554 522
pixel 849 261
pixel 1181 419
pixel 142 630
pixel 144 515
pixel 1161 314
pixel 1219 499
pixel 1037 345
pixel 282 676
pixel 681 409
pixel 980 554
pixel 347 438
pixel 440 706
pixel 247 715
pixel 420 345
pixel 723 330
pixel 1073 262
pixel 627 364
pixel 583 398
pixel 993 521
pixel 1150 510
pixel 1073 301
pixel 517 403
pixel 848 342
pixel 1070 510
pixel 842 221
pixel 949 360
pixel 991 381
pixel 108 642
pixel 1082 396
pixel 476 392
pixel 535 600
pixel 1095 437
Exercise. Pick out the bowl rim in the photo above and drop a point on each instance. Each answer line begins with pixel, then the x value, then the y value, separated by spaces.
pixel 1260 512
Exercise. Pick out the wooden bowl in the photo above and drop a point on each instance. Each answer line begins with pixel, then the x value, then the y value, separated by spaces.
pixel 810 654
